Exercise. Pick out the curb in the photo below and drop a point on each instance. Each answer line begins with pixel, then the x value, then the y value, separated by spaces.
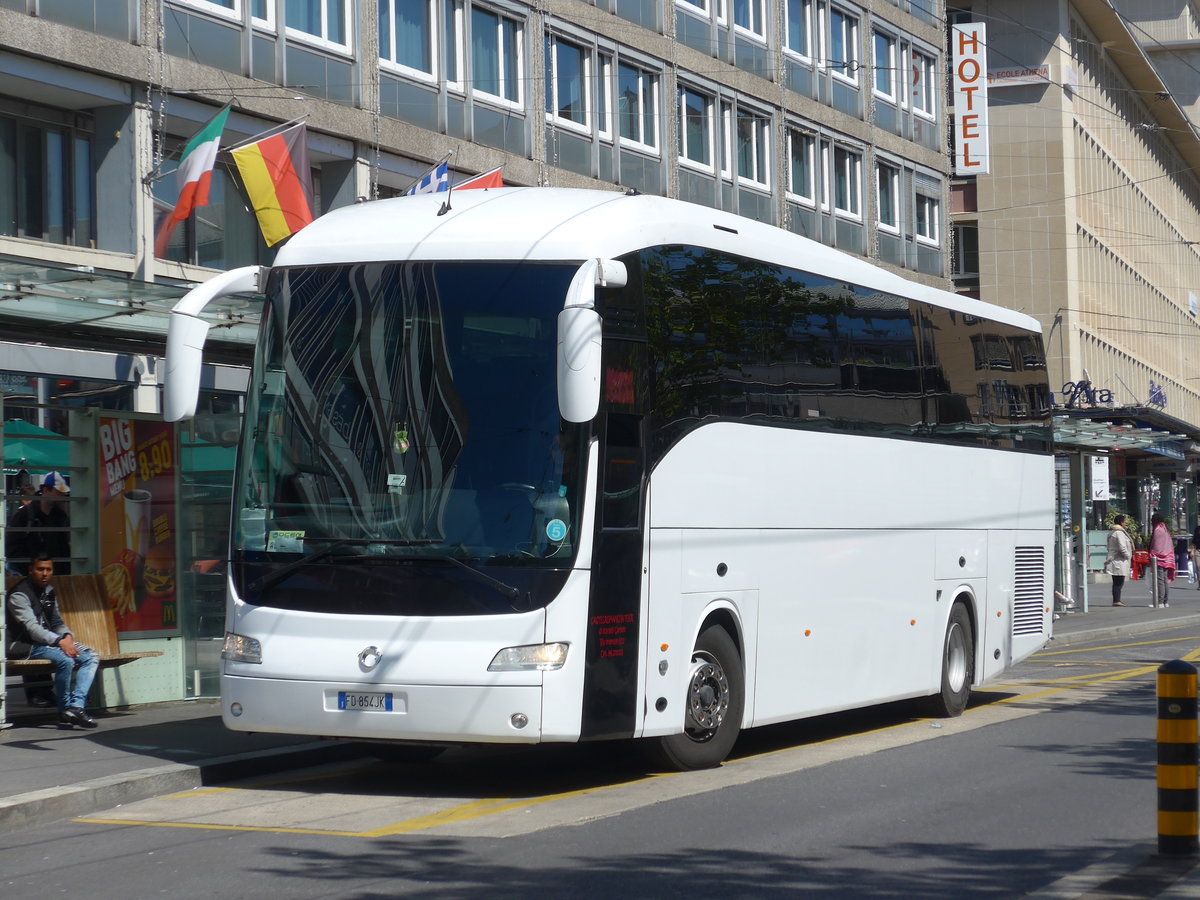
pixel 1094 634
pixel 88 797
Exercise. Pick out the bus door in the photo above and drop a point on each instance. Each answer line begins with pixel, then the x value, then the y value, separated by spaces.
pixel 615 611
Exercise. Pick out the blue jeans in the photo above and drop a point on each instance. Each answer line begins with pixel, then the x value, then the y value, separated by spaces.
pixel 82 666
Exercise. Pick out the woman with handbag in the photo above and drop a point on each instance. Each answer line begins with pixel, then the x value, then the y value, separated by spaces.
pixel 1162 555
pixel 1120 557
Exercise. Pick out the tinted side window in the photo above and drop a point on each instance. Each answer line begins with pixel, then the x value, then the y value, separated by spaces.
pixel 736 338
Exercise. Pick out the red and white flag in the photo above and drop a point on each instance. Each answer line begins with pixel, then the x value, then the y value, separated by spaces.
pixel 489 179
pixel 194 176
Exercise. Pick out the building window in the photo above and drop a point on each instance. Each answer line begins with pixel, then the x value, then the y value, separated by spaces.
pixel 567 80
pixel 928 214
pixel 496 55
pixel 799 27
pixel 47 181
pixel 406 34
pixel 924 86
pixel 709 8
pixel 802 165
pixel 847 182
pixel 753 137
pixel 637 105
pixel 695 128
pixel 224 234
pixel 263 11
pixel 886 66
pixel 326 20
pixel 966 249
pixel 751 16
pixel 843 45
pixel 888 187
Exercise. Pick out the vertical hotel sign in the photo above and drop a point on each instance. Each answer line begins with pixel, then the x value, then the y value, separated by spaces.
pixel 969 57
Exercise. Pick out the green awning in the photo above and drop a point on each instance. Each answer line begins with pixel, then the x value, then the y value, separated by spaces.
pixel 40 450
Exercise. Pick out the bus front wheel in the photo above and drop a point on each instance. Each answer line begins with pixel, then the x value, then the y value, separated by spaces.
pixel 958 666
pixel 713 705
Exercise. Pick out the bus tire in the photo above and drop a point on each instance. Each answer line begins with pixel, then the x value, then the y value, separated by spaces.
pixel 714 703
pixel 958 666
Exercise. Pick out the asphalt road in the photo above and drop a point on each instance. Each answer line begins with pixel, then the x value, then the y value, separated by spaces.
pixel 1042 780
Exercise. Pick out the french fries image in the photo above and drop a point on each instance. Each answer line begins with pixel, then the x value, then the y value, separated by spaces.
pixel 118 588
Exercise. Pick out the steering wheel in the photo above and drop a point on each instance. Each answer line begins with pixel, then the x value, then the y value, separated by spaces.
pixel 517 486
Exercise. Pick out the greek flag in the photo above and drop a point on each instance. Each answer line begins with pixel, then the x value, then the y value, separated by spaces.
pixel 436 179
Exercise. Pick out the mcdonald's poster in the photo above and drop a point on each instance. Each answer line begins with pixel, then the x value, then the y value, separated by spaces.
pixel 137 522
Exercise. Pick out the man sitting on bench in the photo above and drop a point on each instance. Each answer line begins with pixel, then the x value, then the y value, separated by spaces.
pixel 36 631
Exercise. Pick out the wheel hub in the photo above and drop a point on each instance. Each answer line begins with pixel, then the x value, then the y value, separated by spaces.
pixel 708 697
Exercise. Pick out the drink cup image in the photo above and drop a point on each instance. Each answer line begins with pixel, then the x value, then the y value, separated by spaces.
pixel 137 522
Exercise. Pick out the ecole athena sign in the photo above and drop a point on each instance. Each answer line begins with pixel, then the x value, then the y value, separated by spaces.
pixel 1079 394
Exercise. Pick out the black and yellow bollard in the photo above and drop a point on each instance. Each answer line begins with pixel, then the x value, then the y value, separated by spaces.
pixel 1177 759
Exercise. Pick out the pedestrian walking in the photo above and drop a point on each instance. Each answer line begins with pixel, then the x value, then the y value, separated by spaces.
pixel 1196 556
pixel 1120 557
pixel 1162 555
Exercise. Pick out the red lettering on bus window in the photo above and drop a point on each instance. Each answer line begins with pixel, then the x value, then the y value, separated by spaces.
pixel 618 386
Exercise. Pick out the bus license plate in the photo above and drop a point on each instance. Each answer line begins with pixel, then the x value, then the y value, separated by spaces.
pixel 369 701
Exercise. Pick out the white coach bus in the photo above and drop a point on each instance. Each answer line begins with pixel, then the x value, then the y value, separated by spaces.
pixel 541 464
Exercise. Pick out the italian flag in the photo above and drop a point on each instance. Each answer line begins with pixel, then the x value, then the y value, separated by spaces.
pixel 194 176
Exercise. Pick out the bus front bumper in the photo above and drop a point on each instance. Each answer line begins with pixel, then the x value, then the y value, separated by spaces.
pixel 449 713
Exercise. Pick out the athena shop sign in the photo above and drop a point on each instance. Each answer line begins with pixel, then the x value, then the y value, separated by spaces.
pixel 970 83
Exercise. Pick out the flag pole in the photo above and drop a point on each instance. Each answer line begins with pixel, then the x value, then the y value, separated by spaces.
pixel 156 174
pixel 445 208
pixel 272 130
pixel 433 168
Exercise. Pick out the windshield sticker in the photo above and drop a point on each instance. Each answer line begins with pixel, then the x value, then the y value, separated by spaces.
pixel 285 542
pixel 396 483
pixel 556 529
pixel 402 444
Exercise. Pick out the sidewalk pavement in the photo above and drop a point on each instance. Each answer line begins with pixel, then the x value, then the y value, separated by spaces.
pixel 47 774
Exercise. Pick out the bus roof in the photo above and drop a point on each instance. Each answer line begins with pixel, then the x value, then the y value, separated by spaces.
pixel 570 224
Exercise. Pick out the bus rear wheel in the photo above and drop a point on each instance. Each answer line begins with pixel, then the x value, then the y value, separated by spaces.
pixel 714 702
pixel 958 666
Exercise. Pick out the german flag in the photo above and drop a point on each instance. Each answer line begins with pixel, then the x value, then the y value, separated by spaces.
pixel 278 181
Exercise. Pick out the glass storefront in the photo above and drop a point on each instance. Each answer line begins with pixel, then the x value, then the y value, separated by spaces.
pixel 147 506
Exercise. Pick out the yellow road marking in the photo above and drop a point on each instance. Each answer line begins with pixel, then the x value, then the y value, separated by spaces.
pixel 476 809
pixel 484 808
pixel 1045 653
pixel 494 806
pixel 204 826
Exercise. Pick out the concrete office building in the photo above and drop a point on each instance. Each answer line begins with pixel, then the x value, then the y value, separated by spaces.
pixel 1089 219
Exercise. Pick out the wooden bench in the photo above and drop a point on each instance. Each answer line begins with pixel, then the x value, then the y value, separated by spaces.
pixel 83 604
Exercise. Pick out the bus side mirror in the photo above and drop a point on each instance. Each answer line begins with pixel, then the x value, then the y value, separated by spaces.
pixel 578 364
pixel 579 333
pixel 186 333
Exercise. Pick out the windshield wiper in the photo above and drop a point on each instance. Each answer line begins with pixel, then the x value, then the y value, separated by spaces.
pixel 504 588
pixel 273 578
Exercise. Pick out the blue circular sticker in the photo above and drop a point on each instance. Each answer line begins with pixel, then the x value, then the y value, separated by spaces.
pixel 556 529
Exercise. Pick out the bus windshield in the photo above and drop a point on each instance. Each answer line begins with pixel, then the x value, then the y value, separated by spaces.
pixel 406 413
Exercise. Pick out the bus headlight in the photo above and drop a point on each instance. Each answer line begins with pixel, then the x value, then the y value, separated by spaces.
pixel 543 657
pixel 239 648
